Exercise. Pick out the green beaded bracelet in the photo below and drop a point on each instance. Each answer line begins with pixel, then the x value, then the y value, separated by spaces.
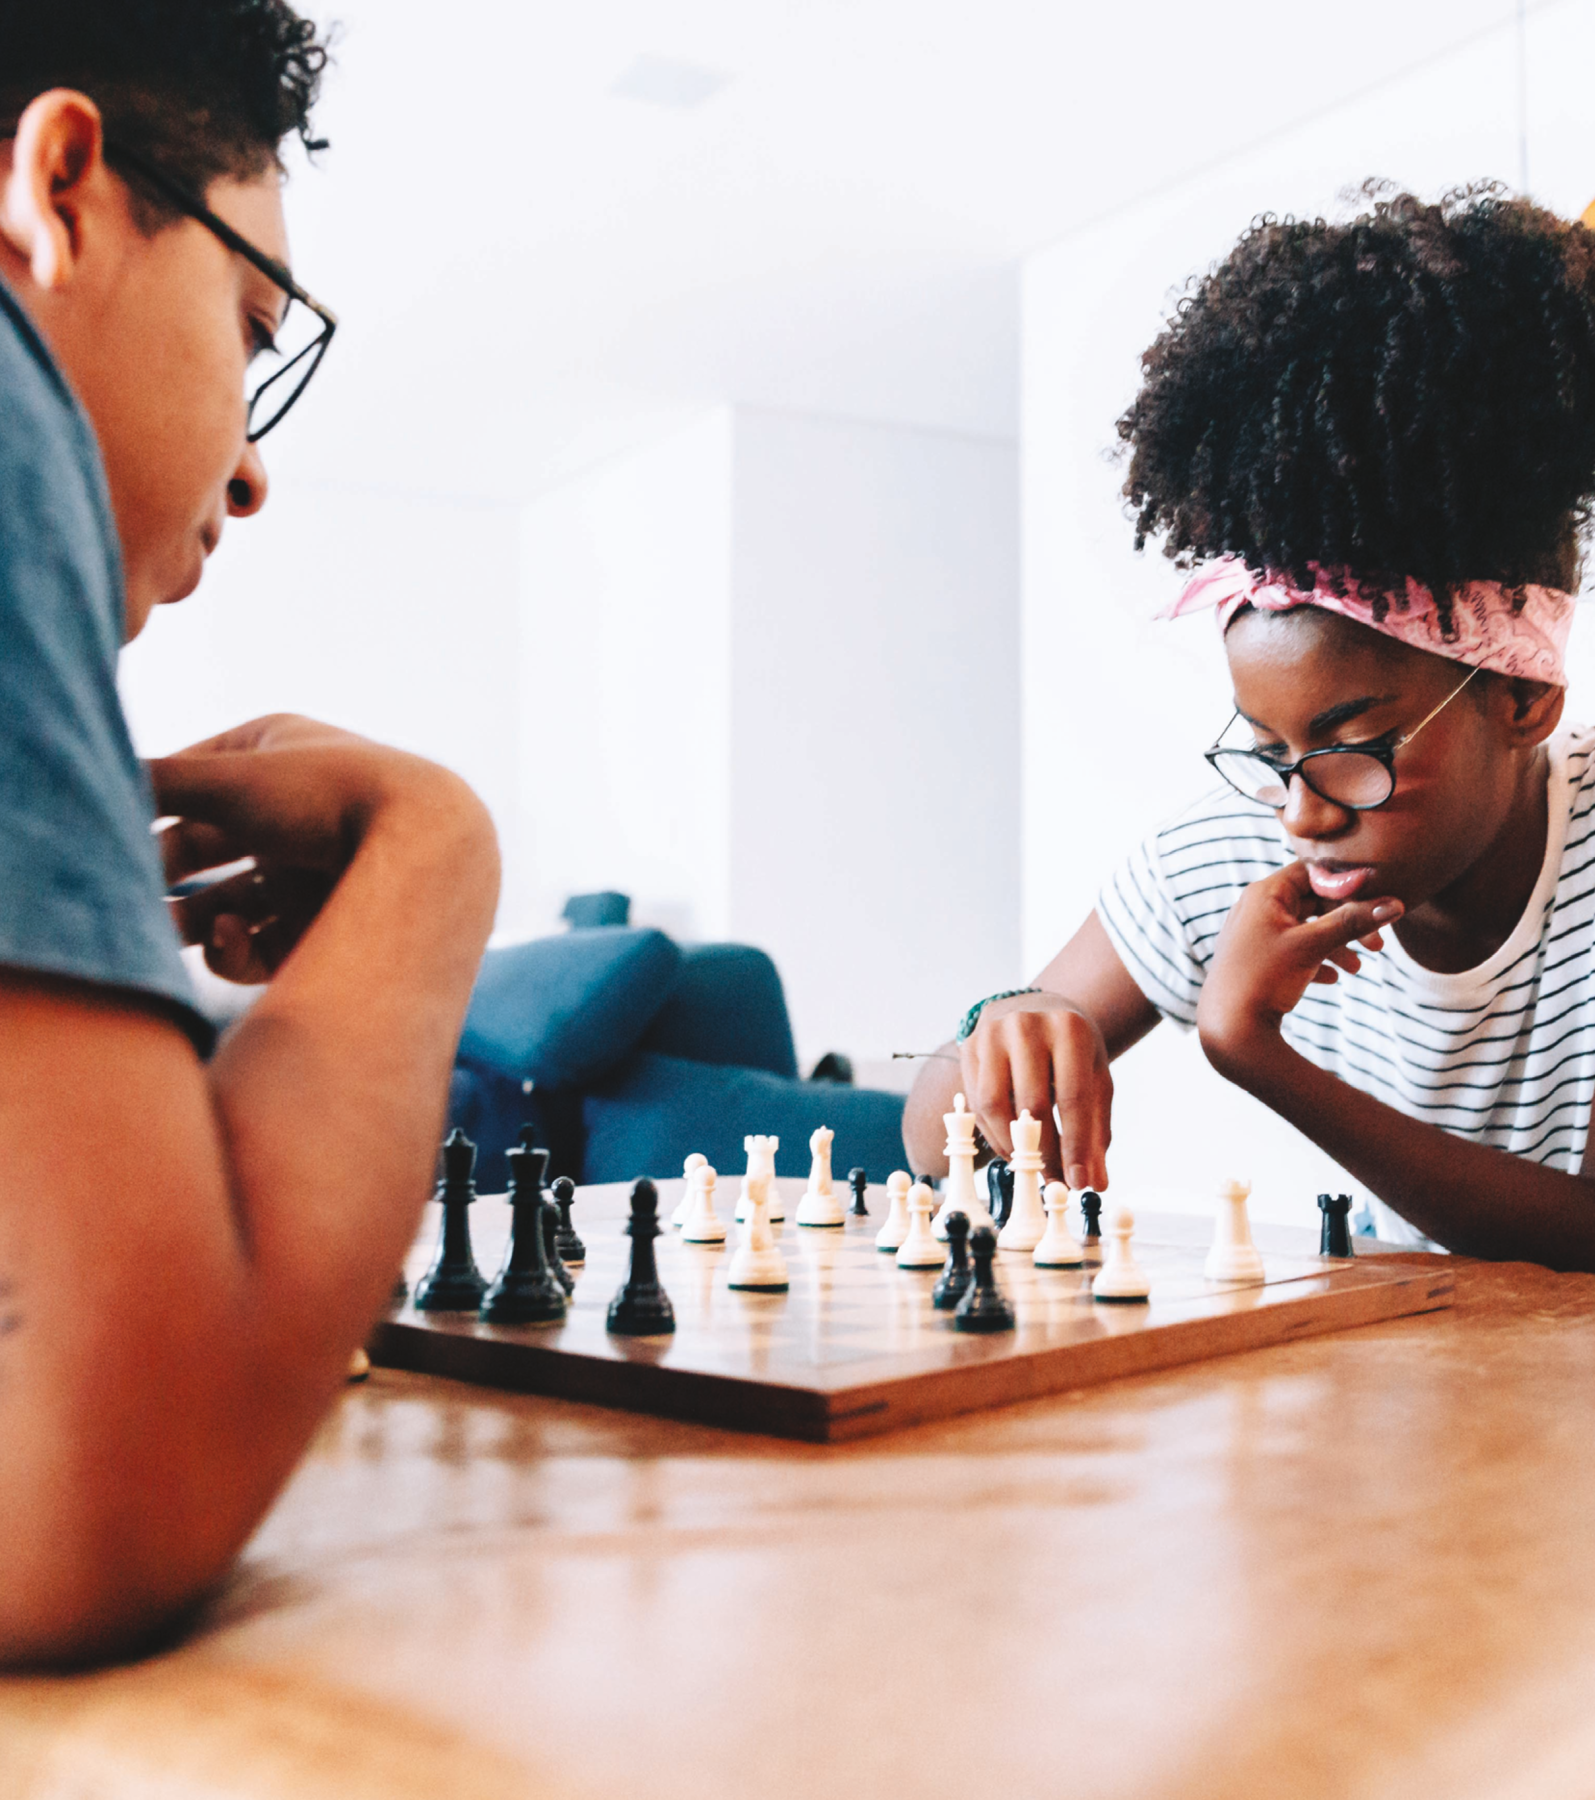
pixel 972 1018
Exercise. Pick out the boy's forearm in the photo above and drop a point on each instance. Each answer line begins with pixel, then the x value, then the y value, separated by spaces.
pixel 1475 1200
pixel 331 1091
pixel 924 1134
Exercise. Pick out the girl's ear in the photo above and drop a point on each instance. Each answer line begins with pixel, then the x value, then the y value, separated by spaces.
pixel 56 154
pixel 1532 711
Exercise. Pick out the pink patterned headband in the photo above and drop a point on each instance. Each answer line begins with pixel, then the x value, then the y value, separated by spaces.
pixel 1531 644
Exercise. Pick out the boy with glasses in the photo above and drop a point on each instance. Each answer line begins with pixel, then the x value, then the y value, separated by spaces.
pixel 1377 441
pixel 190 1250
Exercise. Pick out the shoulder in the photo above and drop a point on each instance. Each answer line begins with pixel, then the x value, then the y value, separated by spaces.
pixel 1220 839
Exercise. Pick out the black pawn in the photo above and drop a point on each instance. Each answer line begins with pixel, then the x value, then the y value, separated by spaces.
pixel 525 1292
pixel 454 1283
pixel 999 1191
pixel 858 1181
pixel 956 1276
pixel 570 1247
pixel 1091 1207
pixel 551 1245
pixel 985 1307
pixel 642 1308
pixel 1335 1239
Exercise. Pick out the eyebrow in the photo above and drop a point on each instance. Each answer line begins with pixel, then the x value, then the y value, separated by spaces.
pixel 1331 716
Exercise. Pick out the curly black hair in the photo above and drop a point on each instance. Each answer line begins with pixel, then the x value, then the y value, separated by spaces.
pixel 203 88
pixel 1410 394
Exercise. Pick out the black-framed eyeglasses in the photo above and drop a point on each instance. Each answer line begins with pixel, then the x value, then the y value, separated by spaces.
pixel 1359 777
pixel 282 372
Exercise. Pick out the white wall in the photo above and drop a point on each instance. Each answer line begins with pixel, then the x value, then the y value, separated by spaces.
pixel 392 614
pixel 770 680
pixel 875 733
pixel 625 677
pixel 1117 708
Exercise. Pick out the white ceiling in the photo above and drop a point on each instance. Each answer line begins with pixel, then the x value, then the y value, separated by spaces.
pixel 534 270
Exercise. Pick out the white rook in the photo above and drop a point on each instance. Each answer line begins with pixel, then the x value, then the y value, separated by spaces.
pixel 1234 1257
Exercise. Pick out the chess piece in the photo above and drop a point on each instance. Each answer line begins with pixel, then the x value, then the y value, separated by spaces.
pixel 688 1169
pixel 961 1195
pixel 401 1290
pixel 1335 1239
pixel 761 1166
pixel 526 1292
pixel 891 1234
pixel 956 1277
pixel 919 1250
pixel 454 1283
pixel 703 1225
pixel 858 1181
pixel 556 1262
pixel 570 1247
pixel 819 1205
pixel 1234 1257
pixel 757 1266
pixel 1058 1249
pixel 999 1190
pixel 1091 1213
pixel 642 1307
pixel 984 1308
pixel 1121 1277
pixel 1027 1222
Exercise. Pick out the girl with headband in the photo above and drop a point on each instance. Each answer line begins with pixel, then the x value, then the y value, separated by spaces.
pixel 1371 445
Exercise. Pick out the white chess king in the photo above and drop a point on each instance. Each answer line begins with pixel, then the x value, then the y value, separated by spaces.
pixel 1027 1222
pixel 961 1195
pixel 1234 1257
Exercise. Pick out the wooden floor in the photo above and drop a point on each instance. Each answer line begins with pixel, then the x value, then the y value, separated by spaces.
pixel 1359 1566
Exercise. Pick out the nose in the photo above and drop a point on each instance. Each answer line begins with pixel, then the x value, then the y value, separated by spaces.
pixel 1308 815
pixel 247 490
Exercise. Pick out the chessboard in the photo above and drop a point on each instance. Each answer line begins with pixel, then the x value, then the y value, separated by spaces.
pixel 855 1347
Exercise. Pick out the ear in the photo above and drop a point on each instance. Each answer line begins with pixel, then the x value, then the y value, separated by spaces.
pixel 57 156
pixel 1526 711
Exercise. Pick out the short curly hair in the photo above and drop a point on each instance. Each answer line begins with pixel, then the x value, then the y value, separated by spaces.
pixel 203 88
pixel 1410 394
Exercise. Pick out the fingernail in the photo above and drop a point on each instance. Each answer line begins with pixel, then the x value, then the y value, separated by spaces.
pixel 1076 1177
pixel 1386 910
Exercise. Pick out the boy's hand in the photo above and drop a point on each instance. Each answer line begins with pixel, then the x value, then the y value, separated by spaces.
pixel 1032 1053
pixel 1274 945
pixel 296 796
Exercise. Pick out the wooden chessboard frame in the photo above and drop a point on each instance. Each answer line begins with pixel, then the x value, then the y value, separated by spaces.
pixel 734 1361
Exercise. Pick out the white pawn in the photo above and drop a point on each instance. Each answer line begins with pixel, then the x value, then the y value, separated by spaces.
pixel 758 1265
pixel 919 1250
pixel 761 1164
pixel 1027 1223
pixel 702 1224
pixel 1234 1257
pixel 689 1168
pixel 960 1194
pixel 1121 1276
pixel 819 1205
pixel 1058 1248
pixel 891 1234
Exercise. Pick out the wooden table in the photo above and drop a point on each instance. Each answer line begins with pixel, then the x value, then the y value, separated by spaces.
pixel 1361 1565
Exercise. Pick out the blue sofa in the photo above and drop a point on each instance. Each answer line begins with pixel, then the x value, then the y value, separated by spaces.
pixel 626 1052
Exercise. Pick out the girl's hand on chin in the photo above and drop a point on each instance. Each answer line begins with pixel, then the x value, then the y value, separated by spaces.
pixel 1274 945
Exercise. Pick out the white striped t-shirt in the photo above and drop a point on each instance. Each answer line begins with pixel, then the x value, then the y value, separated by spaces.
pixel 1503 1054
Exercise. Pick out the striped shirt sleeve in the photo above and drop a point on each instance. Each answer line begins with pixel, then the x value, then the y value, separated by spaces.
pixel 1143 923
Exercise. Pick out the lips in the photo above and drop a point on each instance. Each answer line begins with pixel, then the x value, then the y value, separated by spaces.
pixel 1339 881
